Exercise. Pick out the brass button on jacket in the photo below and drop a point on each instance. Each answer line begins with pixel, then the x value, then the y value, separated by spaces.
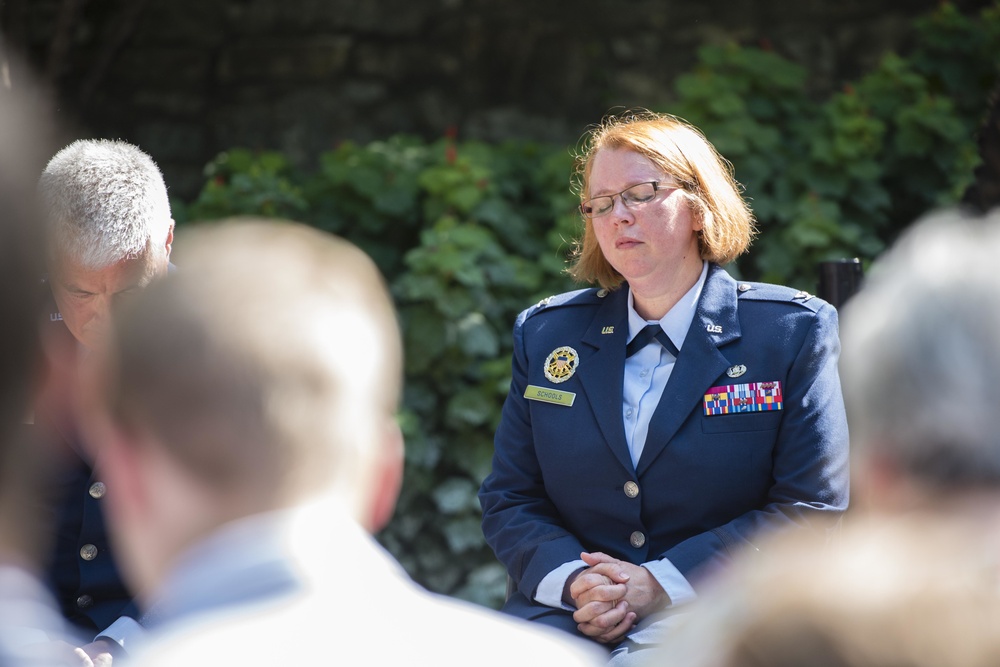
pixel 637 539
pixel 631 489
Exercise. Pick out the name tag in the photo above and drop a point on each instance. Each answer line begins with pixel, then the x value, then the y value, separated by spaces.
pixel 536 393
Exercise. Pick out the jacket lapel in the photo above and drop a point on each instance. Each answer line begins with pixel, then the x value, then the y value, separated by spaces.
pixel 600 373
pixel 715 323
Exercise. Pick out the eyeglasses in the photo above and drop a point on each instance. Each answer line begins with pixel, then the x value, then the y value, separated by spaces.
pixel 632 196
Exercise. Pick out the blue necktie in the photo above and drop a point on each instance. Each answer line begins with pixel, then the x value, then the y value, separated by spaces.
pixel 644 337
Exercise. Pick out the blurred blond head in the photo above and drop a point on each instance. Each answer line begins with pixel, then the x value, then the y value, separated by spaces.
pixel 263 374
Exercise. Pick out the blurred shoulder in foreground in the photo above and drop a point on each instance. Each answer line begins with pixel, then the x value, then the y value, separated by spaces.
pixel 918 591
pixel 29 622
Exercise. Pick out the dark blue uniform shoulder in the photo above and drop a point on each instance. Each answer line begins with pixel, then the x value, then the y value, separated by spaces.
pixel 583 297
pixel 751 291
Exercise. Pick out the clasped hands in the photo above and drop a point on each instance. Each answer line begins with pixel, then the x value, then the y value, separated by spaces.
pixel 611 596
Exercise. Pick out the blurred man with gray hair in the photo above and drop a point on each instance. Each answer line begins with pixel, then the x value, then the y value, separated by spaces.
pixel 109 227
pixel 247 410
pixel 921 367
pixel 109 231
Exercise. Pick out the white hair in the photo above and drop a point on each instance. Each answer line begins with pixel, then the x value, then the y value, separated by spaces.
pixel 105 201
pixel 921 354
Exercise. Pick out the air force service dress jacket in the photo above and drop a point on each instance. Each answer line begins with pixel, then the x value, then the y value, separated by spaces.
pixel 706 484
pixel 81 569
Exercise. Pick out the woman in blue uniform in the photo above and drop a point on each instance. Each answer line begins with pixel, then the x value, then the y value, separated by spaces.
pixel 659 422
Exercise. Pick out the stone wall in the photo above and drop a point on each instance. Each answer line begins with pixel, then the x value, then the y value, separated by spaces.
pixel 187 78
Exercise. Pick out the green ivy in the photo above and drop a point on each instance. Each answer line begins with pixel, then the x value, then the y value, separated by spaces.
pixel 468 234
pixel 842 177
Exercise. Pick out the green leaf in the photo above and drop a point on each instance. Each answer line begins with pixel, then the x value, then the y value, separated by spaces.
pixel 476 337
pixel 456 495
pixel 470 407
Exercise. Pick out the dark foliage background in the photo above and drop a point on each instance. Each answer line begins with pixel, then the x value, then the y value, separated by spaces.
pixel 186 79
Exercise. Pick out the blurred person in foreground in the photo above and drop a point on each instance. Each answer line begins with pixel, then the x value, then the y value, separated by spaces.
pixel 30 623
pixel 109 231
pixel 667 420
pixel 923 367
pixel 246 409
pixel 914 580
pixel 907 592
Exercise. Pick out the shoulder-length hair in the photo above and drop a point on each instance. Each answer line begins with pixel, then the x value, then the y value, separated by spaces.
pixel 683 153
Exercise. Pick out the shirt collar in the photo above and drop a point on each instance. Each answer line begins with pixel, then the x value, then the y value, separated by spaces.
pixel 678 319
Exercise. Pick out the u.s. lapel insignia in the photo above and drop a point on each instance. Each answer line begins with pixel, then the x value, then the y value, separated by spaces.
pixel 736 371
pixel 607 330
pixel 561 364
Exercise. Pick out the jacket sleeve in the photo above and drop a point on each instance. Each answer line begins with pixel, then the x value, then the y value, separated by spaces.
pixel 520 522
